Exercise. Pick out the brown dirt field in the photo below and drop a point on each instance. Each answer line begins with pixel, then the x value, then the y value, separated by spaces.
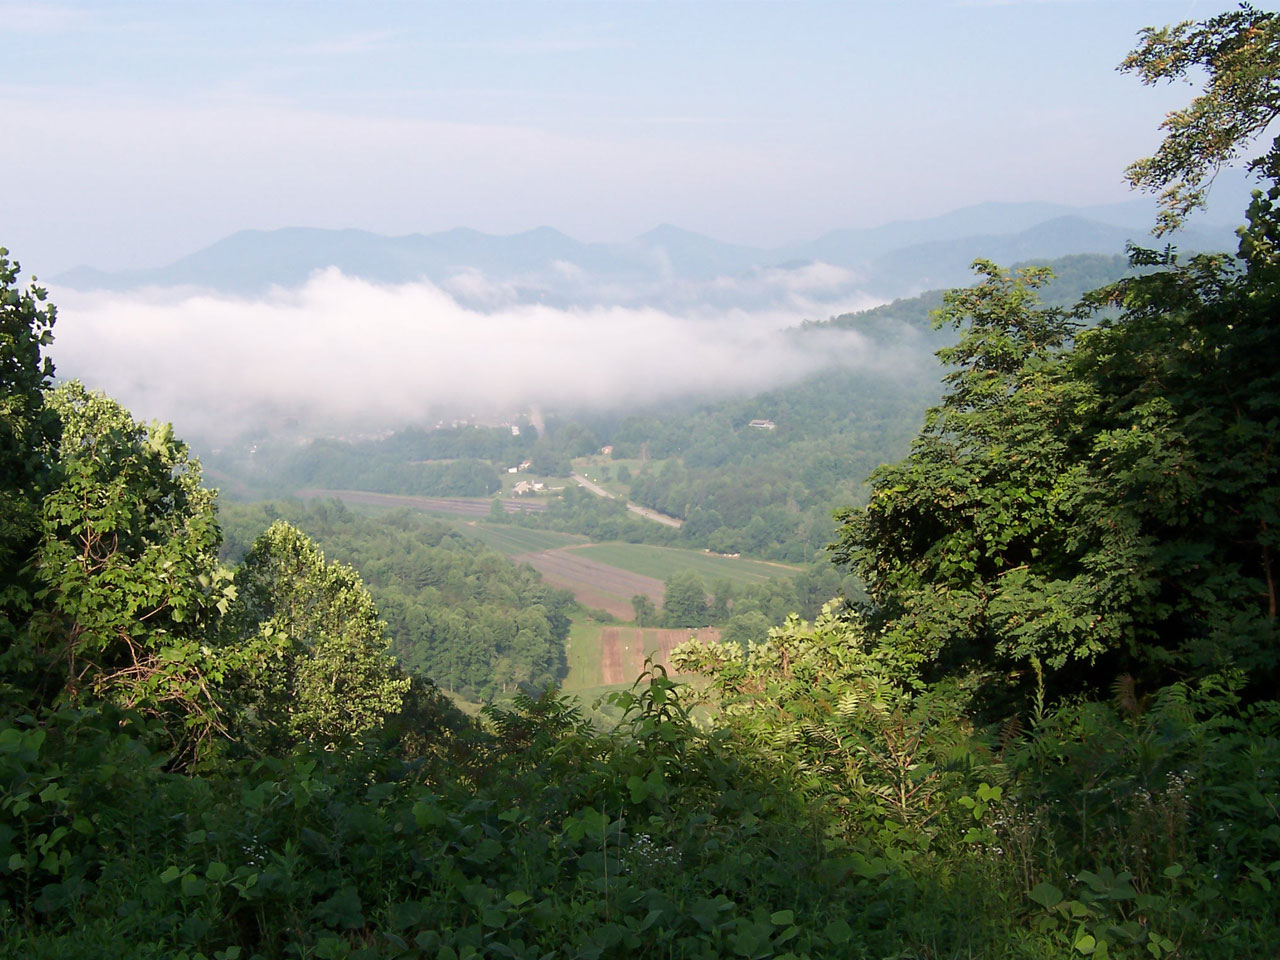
pixel 611 656
pixel 453 505
pixel 594 584
pixel 668 640
pixel 623 649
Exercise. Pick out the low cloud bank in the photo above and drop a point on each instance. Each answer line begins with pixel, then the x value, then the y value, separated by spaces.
pixel 341 352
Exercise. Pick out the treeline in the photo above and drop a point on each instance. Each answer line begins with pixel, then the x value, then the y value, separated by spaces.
pixel 467 617
pixel 747 611
pixel 278 469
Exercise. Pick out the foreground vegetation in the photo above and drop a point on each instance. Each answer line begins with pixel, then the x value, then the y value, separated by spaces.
pixel 1050 732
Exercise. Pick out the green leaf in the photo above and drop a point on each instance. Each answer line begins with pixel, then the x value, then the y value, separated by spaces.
pixel 1046 894
pixel 782 917
pixel 837 931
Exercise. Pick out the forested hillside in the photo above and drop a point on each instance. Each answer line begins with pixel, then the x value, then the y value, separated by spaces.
pixel 1051 731
pixel 471 620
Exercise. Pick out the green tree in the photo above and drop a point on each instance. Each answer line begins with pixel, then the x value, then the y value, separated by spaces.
pixel 969 547
pixel 28 431
pixel 1113 501
pixel 321 672
pixel 127 565
pixel 684 600
pixel 1238 54
pixel 646 613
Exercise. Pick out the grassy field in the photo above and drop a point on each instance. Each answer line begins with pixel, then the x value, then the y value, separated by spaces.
pixel 661 562
pixel 513 541
pixel 582 651
pixel 609 656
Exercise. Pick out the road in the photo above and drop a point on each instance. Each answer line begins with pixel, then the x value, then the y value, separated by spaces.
pixel 635 508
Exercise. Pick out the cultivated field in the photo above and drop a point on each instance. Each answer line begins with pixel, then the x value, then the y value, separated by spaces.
pixel 514 541
pixel 601 655
pixel 607 575
pixel 595 584
pixel 454 506
pixel 661 562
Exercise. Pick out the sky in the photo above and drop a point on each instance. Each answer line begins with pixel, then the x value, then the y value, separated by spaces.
pixel 139 132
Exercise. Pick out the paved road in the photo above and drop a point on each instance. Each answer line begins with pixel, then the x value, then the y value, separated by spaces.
pixel 635 508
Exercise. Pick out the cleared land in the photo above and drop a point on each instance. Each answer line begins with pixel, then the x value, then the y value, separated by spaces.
pixel 456 506
pixel 514 541
pixel 595 584
pixel 607 575
pixel 603 655
pixel 661 562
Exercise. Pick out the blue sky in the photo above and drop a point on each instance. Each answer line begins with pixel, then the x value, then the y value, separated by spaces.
pixel 137 132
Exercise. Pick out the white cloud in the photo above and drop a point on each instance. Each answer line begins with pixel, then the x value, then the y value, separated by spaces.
pixel 340 350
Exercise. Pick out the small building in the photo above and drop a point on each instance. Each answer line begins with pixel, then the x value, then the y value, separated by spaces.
pixel 513 469
pixel 523 487
pixel 607 450
pixel 515 430
pixel 763 424
pixel 524 465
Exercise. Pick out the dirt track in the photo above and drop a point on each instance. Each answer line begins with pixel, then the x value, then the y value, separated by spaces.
pixel 594 584
pixel 454 505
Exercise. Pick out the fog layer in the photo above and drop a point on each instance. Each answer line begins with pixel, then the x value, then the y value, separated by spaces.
pixel 343 353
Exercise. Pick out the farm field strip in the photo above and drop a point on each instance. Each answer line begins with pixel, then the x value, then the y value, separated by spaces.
pixel 661 562
pixel 594 584
pixel 454 506
pixel 606 655
pixel 515 541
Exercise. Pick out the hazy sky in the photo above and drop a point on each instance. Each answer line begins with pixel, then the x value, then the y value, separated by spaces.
pixel 138 132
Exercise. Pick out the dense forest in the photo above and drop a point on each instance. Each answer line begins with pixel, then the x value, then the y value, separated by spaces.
pixel 469 619
pixel 1049 731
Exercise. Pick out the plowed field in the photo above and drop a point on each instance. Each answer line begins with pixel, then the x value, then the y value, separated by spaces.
pixel 623 649
pixel 594 584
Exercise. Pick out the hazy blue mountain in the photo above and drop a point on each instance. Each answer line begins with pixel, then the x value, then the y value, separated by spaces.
pixel 667 266
pixel 946 263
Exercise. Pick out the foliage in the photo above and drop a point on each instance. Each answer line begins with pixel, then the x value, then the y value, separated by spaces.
pixel 129 584
pixel 320 672
pixel 468 618
pixel 684 601
pixel 1112 500
pixel 1239 52
pixel 971 548
pixel 28 428
pixel 844 711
